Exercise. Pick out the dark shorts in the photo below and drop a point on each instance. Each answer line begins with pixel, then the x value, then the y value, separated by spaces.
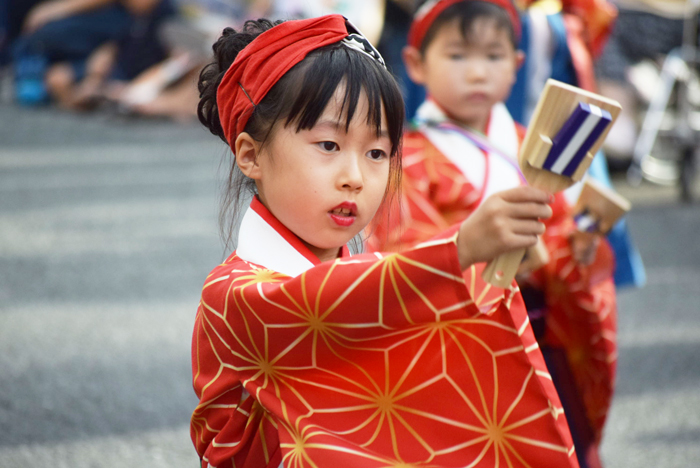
pixel 637 36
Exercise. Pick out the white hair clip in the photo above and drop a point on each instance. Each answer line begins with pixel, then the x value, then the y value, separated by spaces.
pixel 355 40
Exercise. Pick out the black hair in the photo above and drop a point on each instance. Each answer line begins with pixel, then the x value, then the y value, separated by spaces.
pixel 299 98
pixel 468 13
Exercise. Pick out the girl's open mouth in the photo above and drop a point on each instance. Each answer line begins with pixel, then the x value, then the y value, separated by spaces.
pixel 344 214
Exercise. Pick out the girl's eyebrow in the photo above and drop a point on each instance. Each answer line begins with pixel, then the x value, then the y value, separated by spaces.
pixel 339 126
pixel 334 124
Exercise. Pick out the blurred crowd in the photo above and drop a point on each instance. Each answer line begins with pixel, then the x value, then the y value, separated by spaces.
pixel 142 57
pixel 138 57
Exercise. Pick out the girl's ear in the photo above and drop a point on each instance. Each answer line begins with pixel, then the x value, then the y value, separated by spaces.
pixel 415 68
pixel 519 59
pixel 246 151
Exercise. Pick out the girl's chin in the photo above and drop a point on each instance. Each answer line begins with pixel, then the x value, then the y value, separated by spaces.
pixel 471 120
pixel 329 247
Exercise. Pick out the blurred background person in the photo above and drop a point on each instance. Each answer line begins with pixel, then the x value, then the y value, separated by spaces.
pixel 67 48
pixel 644 30
pixel 168 88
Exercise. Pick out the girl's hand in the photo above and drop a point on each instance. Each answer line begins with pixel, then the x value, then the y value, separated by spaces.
pixel 584 246
pixel 506 221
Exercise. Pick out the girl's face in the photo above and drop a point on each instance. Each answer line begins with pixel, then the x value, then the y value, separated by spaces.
pixel 466 77
pixel 325 184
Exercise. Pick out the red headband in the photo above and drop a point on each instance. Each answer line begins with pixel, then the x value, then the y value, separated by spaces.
pixel 269 56
pixel 426 15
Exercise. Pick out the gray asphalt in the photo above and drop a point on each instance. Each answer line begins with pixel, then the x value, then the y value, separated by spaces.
pixel 108 227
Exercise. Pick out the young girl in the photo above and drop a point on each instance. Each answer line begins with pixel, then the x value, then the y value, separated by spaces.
pixel 304 356
pixel 463 149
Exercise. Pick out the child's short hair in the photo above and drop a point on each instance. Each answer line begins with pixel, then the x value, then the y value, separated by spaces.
pixel 299 98
pixel 467 13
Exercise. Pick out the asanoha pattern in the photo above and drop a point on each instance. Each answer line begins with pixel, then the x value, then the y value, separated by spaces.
pixel 371 361
pixel 581 303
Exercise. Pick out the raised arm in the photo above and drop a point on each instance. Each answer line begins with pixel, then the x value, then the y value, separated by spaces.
pixel 363 360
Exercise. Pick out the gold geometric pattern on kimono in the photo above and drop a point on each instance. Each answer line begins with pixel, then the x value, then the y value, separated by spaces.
pixel 362 411
pixel 436 194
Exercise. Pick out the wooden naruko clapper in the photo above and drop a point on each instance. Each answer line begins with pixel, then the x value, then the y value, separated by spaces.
pixel 567 129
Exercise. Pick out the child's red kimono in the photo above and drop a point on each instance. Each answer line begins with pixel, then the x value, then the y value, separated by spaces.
pixel 366 361
pixel 447 173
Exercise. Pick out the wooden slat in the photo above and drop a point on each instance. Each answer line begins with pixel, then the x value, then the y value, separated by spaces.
pixel 557 102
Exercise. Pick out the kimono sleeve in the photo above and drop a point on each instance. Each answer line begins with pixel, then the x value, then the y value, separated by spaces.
pixel 369 361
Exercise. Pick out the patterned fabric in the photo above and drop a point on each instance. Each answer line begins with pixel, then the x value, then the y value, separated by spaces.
pixel 369 361
pixel 440 190
pixel 360 43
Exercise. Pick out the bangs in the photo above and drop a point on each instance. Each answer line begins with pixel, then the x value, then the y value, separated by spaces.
pixel 327 68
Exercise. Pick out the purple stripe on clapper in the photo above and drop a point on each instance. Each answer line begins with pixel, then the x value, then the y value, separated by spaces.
pixel 586 222
pixel 576 137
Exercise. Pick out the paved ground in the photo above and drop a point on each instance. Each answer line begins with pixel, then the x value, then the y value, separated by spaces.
pixel 107 230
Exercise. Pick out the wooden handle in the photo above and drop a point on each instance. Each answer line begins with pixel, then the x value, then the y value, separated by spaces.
pixel 536 257
pixel 501 270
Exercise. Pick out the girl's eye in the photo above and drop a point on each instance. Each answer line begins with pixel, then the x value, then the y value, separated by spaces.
pixel 495 57
pixel 328 146
pixel 376 154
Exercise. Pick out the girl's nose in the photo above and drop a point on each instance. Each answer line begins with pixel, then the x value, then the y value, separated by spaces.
pixel 477 71
pixel 351 177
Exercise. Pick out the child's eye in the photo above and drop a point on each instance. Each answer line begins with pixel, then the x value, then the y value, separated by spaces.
pixel 496 57
pixel 456 56
pixel 376 154
pixel 328 146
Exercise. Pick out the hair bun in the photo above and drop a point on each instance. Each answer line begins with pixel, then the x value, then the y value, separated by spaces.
pixel 226 49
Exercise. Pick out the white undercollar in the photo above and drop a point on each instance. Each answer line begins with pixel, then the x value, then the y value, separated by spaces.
pixel 265 241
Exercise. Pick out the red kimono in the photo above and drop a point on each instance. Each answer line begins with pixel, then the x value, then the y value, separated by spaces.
pixel 366 361
pixel 446 175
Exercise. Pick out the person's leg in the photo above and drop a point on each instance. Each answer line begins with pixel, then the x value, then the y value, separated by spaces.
pixel 60 81
pixel 90 90
pixel 67 40
pixel 178 102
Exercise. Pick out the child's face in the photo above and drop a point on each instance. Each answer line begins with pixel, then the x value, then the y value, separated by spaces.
pixel 466 77
pixel 326 184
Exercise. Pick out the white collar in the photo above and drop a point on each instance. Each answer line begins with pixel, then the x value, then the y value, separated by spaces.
pixel 429 111
pixel 500 123
pixel 265 241
pixel 501 144
pixel 502 131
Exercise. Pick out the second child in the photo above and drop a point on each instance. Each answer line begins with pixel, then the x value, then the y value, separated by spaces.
pixel 463 149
